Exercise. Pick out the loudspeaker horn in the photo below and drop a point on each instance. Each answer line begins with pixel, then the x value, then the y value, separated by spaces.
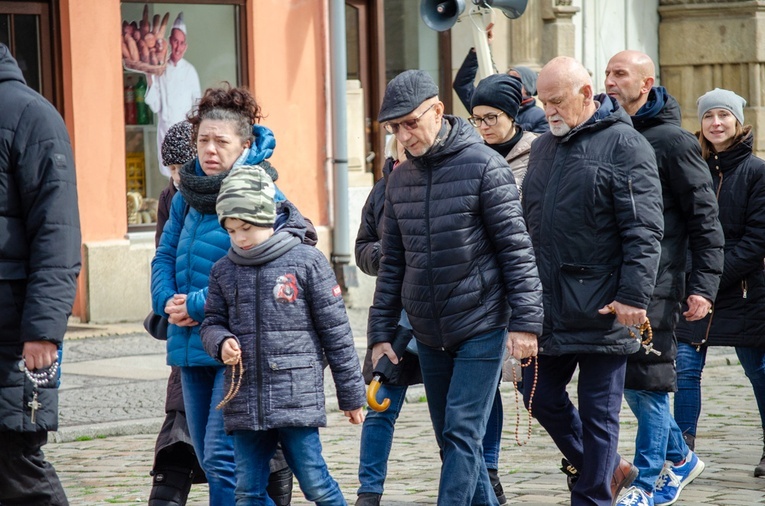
pixel 440 15
pixel 510 8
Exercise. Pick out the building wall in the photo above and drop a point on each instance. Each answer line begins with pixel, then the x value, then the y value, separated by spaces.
pixel 287 65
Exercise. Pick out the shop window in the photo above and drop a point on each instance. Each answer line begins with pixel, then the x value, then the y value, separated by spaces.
pixel 25 27
pixel 171 53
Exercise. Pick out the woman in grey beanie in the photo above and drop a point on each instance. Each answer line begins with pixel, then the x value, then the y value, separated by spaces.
pixel 738 315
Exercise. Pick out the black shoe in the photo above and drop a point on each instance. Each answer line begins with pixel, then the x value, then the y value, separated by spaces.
pixel 690 441
pixel 368 500
pixel 170 486
pixel 760 469
pixel 571 473
pixel 497 486
pixel 279 487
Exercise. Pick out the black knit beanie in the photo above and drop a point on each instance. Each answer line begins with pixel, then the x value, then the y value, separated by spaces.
pixel 177 146
pixel 500 91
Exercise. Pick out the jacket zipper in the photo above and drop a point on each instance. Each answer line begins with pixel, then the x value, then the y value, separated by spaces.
pixel 259 350
pixel 632 199
pixel 192 239
pixel 744 288
pixel 430 254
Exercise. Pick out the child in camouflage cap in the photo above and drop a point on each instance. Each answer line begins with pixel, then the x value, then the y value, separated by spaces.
pixel 273 312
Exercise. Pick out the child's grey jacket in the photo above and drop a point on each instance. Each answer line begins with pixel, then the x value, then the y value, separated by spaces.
pixel 288 315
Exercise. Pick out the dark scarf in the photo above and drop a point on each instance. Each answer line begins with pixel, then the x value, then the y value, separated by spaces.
pixel 270 249
pixel 199 190
pixel 504 148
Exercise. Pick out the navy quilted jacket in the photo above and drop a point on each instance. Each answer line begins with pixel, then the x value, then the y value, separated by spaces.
pixel 288 315
pixel 456 253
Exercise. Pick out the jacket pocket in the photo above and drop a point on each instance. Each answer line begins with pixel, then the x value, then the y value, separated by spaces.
pixel 12 295
pixel 294 382
pixel 583 291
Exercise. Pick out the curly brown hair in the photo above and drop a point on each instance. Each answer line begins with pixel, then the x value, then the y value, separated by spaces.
pixel 235 105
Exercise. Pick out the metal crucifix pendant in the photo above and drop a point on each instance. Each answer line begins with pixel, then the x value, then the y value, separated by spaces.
pixel 649 349
pixel 34 405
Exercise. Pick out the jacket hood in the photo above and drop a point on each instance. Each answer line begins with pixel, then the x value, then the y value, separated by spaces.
pixel 607 114
pixel 461 135
pixel 661 107
pixel 290 220
pixel 9 69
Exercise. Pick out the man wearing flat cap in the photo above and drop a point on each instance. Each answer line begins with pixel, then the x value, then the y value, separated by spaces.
pixel 457 257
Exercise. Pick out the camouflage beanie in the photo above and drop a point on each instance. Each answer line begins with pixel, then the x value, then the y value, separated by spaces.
pixel 247 193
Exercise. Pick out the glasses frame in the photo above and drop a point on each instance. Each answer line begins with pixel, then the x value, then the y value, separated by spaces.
pixel 476 121
pixel 408 124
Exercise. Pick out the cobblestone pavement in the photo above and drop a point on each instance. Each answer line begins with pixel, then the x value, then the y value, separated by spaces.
pixel 104 449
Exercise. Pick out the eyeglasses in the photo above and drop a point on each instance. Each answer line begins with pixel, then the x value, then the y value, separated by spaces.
pixel 489 119
pixel 408 124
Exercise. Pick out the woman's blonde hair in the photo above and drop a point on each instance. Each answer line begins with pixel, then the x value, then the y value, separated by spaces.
pixel 391 147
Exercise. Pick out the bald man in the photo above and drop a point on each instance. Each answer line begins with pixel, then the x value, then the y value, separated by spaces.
pixel 690 224
pixel 594 213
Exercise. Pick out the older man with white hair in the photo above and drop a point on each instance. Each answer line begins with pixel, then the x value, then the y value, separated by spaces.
pixel 592 202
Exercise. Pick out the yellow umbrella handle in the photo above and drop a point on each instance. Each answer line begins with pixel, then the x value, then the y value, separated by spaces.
pixel 374 386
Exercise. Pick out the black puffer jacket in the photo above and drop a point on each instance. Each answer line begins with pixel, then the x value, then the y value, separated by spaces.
pixel 288 315
pixel 690 223
pixel 39 240
pixel 738 318
pixel 455 248
pixel 592 201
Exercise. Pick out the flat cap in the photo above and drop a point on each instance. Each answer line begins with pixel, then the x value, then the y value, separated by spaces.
pixel 405 93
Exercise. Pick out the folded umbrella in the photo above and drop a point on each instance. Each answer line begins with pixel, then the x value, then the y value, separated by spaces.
pixel 387 371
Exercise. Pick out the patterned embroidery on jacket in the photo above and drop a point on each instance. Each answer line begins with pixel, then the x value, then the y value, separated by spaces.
pixel 286 289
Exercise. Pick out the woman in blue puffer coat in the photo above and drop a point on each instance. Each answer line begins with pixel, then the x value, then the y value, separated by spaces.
pixel 227 135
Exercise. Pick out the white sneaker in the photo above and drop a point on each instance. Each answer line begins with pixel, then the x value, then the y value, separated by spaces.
pixel 673 479
pixel 635 496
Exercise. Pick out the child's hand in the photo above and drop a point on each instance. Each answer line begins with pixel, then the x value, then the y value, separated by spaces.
pixel 355 416
pixel 230 351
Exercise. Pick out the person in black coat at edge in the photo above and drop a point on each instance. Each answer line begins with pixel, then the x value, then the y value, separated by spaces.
pixel 530 117
pixel 691 223
pixel 457 257
pixel 738 314
pixel 39 262
pixel 592 180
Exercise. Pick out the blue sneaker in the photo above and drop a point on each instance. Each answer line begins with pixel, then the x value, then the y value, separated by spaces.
pixel 635 496
pixel 673 479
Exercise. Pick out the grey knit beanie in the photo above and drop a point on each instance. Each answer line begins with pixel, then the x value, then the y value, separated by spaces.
pixel 722 99
pixel 247 193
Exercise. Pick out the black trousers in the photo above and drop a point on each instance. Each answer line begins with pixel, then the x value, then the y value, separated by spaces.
pixel 587 435
pixel 25 476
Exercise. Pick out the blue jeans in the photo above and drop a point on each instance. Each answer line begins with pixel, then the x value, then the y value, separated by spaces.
pixel 658 437
pixel 377 437
pixel 461 384
pixel 753 362
pixel 587 436
pixel 690 363
pixel 302 449
pixel 203 389
pixel 376 440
